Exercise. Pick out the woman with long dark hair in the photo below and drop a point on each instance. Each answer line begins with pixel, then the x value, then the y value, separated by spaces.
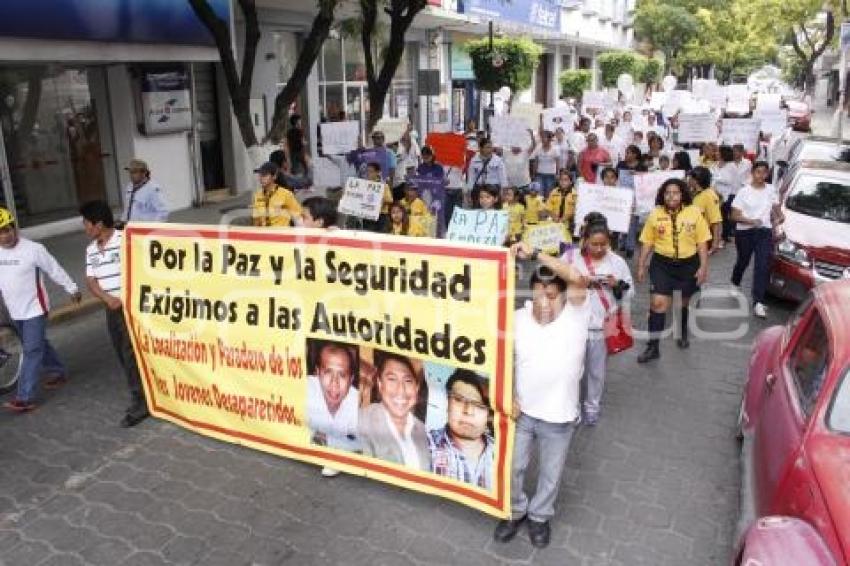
pixel 676 235
pixel 298 170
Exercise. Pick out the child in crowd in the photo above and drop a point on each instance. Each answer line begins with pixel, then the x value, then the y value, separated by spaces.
pixel 400 224
pixel 516 214
pixel 412 203
pixel 664 163
pixel 534 204
pixel 373 173
pixel 488 199
pixel 609 177
pixel 561 205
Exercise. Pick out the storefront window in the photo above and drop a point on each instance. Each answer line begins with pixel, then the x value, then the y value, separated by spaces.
pixel 348 95
pixel 52 139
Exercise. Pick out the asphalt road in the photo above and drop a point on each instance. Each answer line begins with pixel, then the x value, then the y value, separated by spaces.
pixel 655 483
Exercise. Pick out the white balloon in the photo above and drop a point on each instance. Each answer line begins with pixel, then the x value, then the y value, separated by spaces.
pixel 505 92
pixel 669 83
pixel 625 81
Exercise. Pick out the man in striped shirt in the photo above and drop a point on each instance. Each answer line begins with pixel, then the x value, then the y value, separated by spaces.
pixel 103 277
pixel 23 264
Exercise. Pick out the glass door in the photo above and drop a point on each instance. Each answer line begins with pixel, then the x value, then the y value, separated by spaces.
pixel 52 140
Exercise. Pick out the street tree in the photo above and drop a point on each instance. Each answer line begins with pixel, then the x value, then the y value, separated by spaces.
pixel 667 27
pixel 381 67
pixel 809 26
pixel 239 81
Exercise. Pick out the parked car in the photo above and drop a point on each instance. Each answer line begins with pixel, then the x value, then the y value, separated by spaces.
pixel 794 424
pixel 799 115
pixel 791 149
pixel 813 244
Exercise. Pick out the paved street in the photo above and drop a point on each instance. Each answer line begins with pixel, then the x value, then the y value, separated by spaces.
pixel 655 483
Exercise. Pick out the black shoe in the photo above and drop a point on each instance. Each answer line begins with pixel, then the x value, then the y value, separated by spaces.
pixel 683 343
pixel 630 254
pixel 131 420
pixel 507 529
pixel 651 353
pixel 539 533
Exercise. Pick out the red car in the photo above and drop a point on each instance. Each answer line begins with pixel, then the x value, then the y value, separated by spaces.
pixel 814 246
pixel 795 425
pixel 799 116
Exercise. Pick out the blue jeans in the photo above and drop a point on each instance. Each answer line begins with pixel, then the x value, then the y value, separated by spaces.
pixel 39 356
pixel 547 183
pixel 758 242
pixel 553 443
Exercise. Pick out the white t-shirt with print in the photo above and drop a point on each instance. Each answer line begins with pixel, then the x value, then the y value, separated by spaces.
pixel 547 159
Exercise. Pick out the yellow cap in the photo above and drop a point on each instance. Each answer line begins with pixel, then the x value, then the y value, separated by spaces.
pixel 6 218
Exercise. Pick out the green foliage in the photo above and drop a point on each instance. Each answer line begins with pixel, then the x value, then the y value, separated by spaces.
pixel 614 63
pixel 666 26
pixel 518 57
pixel 650 71
pixel 574 82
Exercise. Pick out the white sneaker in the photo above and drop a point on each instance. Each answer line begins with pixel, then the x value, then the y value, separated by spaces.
pixel 329 472
pixel 759 310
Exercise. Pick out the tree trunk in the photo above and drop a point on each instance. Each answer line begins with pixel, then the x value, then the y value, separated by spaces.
pixel 809 59
pixel 402 14
pixel 310 51
pixel 238 84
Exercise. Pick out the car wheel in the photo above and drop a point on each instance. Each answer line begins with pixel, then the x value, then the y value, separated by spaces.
pixel 11 359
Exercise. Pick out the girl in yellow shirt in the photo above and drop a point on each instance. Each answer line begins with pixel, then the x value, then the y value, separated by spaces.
pixel 561 204
pixel 400 222
pixel 534 205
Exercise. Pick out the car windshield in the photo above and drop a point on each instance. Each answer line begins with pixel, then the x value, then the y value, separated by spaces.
pixel 821 197
pixel 839 414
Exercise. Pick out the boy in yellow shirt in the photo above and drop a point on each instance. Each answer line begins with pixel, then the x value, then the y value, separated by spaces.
pixel 534 204
pixel 516 214
pixel 411 202
pixel 272 204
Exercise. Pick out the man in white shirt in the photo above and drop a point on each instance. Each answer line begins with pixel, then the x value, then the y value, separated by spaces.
pixel 486 168
pixel 23 264
pixel 550 334
pixel 517 167
pixel 332 402
pixel 613 143
pixel 144 201
pixel 756 210
pixel 103 279
pixel 742 163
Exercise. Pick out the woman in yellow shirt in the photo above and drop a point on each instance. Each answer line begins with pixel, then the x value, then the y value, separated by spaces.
pixel 516 214
pixel 676 235
pixel 400 224
pixel 707 200
pixel 561 204
pixel 272 204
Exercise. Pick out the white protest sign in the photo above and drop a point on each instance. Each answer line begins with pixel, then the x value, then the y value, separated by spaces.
pixel 392 128
pixel 738 99
pixel 741 130
pixel 529 112
pixel 647 185
pixel 362 198
pixel 326 174
pixel 773 123
pixel 674 101
pixel 716 96
pixel 702 87
pixel 554 118
pixel 693 154
pixel 657 99
pixel 768 102
pixel 614 202
pixel 594 99
pixel 546 236
pixel 488 227
pixel 339 137
pixel 509 131
pixel 697 128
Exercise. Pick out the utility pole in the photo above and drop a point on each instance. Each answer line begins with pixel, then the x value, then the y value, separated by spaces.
pixel 491 109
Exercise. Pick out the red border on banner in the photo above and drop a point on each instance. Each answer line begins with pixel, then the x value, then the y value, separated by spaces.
pixel 445 485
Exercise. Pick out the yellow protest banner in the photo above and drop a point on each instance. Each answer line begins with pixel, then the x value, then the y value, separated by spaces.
pixel 546 236
pixel 367 355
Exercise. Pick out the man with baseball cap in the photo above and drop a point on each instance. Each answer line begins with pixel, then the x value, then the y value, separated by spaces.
pixel 23 264
pixel 144 201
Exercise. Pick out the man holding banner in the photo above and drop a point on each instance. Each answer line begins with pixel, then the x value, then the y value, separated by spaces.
pixel 549 348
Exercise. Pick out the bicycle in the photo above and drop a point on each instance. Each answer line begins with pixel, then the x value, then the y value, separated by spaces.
pixel 11 353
